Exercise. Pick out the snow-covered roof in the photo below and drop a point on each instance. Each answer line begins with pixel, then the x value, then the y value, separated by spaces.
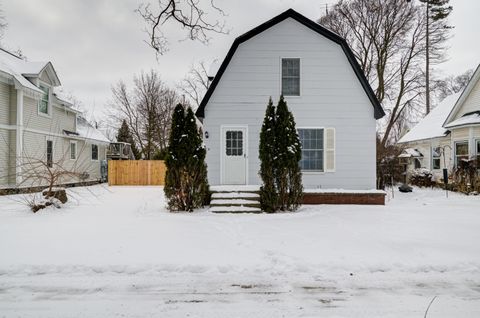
pixel 17 69
pixel 463 97
pixel 431 126
pixel 214 67
pixel 410 153
pixel 85 130
pixel 467 119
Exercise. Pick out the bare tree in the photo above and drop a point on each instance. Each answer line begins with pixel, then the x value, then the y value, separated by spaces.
pixel 147 108
pixel 195 83
pixel 189 15
pixel 388 40
pixel 452 84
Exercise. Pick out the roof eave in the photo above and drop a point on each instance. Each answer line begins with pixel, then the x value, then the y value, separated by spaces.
pixel 290 13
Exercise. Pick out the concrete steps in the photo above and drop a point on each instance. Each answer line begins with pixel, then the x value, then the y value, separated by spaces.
pixel 235 202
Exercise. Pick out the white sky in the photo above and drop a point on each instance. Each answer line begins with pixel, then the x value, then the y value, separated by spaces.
pixel 94 43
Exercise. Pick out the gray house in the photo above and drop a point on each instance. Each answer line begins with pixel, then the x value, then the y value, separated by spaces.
pixel 40 127
pixel 334 106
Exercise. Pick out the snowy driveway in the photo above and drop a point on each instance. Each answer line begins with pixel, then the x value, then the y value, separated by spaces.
pixel 116 252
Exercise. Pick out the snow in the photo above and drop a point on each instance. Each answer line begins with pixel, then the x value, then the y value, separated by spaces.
pixel 410 152
pixel 85 130
pixel 117 252
pixel 431 125
pixel 369 191
pixel 235 188
pixel 467 119
pixel 232 201
pixel 233 209
pixel 234 195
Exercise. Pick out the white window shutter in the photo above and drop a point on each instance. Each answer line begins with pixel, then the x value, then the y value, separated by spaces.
pixel 330 149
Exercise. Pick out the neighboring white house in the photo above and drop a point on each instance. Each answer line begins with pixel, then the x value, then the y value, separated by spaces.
pixel 37 124
pixel 451 132
pixel 335 109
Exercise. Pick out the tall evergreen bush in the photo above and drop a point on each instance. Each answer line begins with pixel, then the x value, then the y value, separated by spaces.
pixel 186 185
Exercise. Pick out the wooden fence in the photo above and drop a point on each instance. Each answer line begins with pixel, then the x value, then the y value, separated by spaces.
pixel 136 172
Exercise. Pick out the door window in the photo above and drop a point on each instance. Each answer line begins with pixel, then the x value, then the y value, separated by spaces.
pixel 234 140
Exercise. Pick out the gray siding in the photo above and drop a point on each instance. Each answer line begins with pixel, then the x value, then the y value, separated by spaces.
pixel 331 96
pixel 4 104
pixel 58 120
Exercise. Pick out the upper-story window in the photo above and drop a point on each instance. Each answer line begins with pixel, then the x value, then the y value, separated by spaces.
pixel 43 103
pixel 291 77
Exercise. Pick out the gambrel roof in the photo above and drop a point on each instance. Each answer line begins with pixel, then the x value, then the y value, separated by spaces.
pixel 290 13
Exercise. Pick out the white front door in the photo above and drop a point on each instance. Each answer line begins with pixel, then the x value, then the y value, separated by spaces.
pixel 234 141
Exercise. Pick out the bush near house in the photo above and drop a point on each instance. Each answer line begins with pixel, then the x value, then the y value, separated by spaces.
pixel 465 176
pixel 186 185
pixel 280 153
pixel 422 177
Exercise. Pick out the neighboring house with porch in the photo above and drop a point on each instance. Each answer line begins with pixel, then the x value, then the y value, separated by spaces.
pixel 450 133
pixel 334 107
pixel 37 125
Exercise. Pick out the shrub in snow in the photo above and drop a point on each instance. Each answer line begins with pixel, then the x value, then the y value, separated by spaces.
pixel 186 185
pixel 286 151
pixel 266 153
pixel 422 177
pixel 466 176
pixel 57 193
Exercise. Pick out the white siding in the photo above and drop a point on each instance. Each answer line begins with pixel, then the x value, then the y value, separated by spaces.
pixel 331 96
pixel 472 102
pixel 4 104
pixel 59 119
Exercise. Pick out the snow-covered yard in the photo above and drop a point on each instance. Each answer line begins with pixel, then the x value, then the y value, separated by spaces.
pixel 117 252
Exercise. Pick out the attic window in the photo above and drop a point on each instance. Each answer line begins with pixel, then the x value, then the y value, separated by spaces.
pixel 43 102
pixel 291 77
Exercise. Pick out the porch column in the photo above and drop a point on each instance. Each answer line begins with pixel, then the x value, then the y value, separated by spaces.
pixel 19 138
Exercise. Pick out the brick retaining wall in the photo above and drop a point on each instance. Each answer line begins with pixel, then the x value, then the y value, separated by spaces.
pixel 344 198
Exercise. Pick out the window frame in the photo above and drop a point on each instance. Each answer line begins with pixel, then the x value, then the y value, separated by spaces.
pixel 41 100
pixel 234 151
pixel 323 171
pixel 455 157
pixel 91 152
pixel 73 142
pixel 49 162
pixel 477 152
pixel 435 150
pixel 299 76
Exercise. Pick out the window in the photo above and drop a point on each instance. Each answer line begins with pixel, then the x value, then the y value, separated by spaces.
pixel 73 150
pixel 461 152
pixel 312 149
pixel 234 143
pixel 435 158
pixel 43 102
pixel 94 152
pixel 478 154
pixel 291 77
pixel 49 153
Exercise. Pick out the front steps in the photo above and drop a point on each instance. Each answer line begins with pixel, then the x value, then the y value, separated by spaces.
pixel 233 201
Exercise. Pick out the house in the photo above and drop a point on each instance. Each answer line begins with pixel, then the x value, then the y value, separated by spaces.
pixel 38 124
pixel 448 134
pixel 334 106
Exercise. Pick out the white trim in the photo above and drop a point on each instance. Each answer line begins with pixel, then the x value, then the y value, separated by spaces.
pixel 91 152
pixel 222 150
pixel 463 96
pixel 459 141
pixel 19 138
pixel 315 172
pixel 72 142
pixel 49 104
pixel 300 90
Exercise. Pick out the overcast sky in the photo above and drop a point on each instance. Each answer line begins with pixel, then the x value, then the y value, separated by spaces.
pixel 94 43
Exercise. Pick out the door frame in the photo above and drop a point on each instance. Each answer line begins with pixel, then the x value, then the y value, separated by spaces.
pixel 223 129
